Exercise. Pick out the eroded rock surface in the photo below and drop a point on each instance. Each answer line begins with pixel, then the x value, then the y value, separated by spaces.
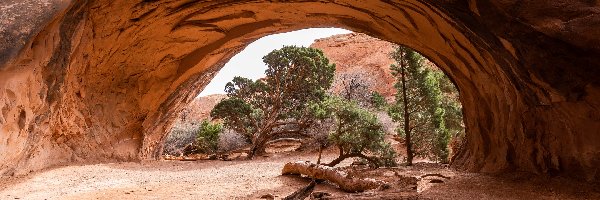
pixel 361 57
pixel 103 79
pixel 20 20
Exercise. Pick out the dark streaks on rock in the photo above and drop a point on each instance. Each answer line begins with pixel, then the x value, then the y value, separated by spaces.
pixel 20 20
pixel 195 56
pixel 527 72
pixel 56 69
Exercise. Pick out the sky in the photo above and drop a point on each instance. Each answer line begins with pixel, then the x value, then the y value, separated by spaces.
pixel 248 63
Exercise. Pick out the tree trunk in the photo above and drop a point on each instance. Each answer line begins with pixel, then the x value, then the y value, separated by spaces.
pixel 320 153
pixel 284 140
pixel 338 160
pixel 407 133
pixel 257 149
pixel 332 175
pixel 341 157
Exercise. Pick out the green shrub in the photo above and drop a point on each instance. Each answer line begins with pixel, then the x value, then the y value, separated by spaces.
pixel 378 101
pixel 357 133
pixel 207 136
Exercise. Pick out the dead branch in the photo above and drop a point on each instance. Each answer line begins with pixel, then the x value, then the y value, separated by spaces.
pixel 302 193
pixel 437 175
pixel 340 178
pixel 285 140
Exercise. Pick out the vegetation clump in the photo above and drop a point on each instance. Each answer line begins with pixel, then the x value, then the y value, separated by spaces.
pixel 295 101
pixel 207 136
pixel 426 106
pixel 356 132
pixel 276 106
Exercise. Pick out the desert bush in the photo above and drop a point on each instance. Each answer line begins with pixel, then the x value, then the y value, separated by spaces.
pixel 183 140
pixel 319 132
pixel 356 133
pixel 355 86
pixel 181 135
pixel 230 140
pixel 207 136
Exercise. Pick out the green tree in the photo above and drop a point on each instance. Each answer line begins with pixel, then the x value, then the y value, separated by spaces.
pixel 426 106
pixel 378 101
pixel 451 122
pixel 356 133
pixel 207 136
pixel 276 105
pixel 410 102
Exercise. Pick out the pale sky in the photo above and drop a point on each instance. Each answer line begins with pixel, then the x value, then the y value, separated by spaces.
pixel 248 63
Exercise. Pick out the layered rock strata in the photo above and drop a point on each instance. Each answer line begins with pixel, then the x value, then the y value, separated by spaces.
pixel 102 79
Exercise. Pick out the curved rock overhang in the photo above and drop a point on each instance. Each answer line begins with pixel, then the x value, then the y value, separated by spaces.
pixel 104 79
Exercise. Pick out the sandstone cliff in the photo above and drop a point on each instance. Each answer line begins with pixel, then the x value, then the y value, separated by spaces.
pixel 361 55
pixel 199 109
pixel 100 80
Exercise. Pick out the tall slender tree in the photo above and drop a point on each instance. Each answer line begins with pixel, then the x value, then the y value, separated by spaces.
pixel 426 106
pixel 409 97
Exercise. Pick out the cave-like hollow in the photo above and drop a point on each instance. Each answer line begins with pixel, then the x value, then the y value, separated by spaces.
pixel 102 80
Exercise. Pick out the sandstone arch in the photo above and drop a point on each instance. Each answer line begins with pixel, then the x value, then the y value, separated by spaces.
pixel 102 79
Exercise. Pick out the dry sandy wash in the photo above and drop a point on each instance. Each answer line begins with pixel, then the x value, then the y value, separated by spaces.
pixel 245 179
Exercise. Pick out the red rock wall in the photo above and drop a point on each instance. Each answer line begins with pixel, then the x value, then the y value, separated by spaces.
pixel 362 55
pixel 102 81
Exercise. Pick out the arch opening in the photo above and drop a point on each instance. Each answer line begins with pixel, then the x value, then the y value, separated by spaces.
pixel 95 99
pixel 362 70
pixel 414 24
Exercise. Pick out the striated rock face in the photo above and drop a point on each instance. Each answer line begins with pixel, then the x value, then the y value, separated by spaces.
pixel 102 80
pixel 199 109
pixel 360 55
pixel 20 20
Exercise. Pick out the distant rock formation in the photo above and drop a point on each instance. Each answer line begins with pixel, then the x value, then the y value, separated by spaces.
pixel 199 109
pixel 363 56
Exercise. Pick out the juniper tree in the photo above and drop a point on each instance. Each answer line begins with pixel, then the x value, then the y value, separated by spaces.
pixel 277 104
pixel 357 133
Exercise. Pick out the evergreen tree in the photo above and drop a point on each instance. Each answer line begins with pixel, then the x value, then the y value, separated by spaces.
pixel 277 105
pixel 357 133
pixel 426 106
pixel 377 101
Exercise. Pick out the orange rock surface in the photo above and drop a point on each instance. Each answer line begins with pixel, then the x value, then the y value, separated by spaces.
pixel 102 80
pixel 360 54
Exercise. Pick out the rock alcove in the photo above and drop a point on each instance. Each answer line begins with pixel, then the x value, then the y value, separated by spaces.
pixel 98 81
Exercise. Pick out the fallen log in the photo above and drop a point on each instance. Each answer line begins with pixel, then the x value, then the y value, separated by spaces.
pixel 332 175
pixel 437 175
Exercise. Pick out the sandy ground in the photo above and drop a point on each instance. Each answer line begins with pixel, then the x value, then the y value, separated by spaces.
pixel 243 179
pixel 152 180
